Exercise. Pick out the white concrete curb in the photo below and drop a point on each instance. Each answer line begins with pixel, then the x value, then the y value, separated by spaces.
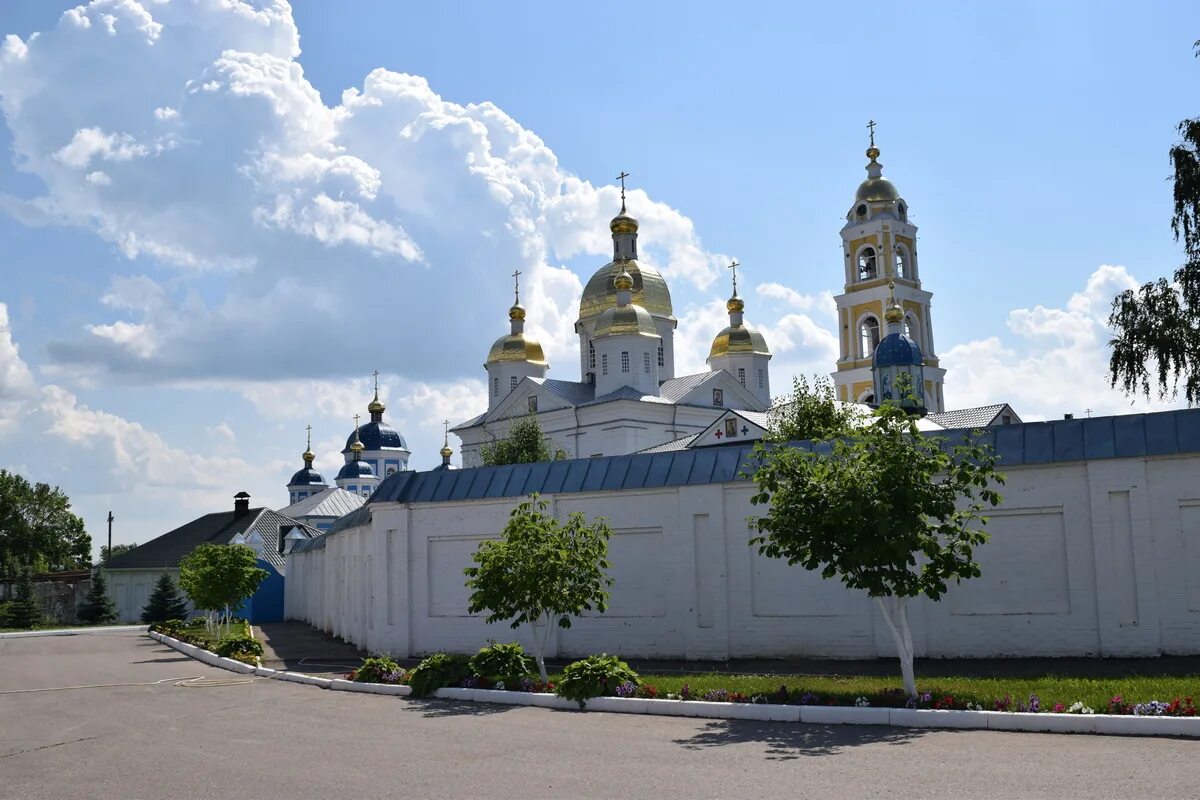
pixel 1110 724
pixel 72 631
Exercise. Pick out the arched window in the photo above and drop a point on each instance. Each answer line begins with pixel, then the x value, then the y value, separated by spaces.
pixel 624 361
pixel 661 360
pixel 496 386
pixel 903 265
pixel 512 383
pixel 604 363
pixel 591 356
pixel 911 329
pixel 742 375
pixel 867 269
pixel 869 336
pixel 869 399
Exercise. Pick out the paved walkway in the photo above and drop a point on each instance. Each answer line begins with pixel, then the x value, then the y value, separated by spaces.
pixel 301 647
pixel 106 716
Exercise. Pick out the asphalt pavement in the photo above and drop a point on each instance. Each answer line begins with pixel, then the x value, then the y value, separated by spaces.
pixel 118 715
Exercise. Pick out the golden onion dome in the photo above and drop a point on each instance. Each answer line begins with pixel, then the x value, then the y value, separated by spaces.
pixel 876 190
pixel 516 312
pixel 308 456
pixel 516 347
pixel 739 339
pixel 376 406
pixel 623 223
pixel 357 446
pixel 894 312
pixel 623 282
pixel 649 290
pixel 625 320
pixel 735 305
pixel 446 452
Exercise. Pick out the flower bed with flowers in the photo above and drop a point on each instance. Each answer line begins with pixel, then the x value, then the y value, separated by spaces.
pixel 600 676
pixel 234 641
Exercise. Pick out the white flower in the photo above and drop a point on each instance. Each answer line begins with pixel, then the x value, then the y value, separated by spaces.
pixel 862 702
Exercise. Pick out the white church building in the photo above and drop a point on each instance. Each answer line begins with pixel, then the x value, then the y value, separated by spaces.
pixel 1095 550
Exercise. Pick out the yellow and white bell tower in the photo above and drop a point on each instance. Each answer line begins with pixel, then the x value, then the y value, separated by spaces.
pixel 879 245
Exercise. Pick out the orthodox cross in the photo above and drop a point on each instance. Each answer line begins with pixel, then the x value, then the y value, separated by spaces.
pixel 516 276
pixel 871 125
pixel 622 178
pixel 356 418
pixel 445 433
pixel 376 374
pixel 1088 411
pixel 734 267
pixel 309 447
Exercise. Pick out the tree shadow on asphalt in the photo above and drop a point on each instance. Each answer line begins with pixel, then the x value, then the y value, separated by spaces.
pixel 167 660
pixel 786 741
pixel 433 708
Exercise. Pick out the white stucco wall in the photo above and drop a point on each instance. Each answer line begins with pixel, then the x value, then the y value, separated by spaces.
pixel 131 588
pixel 1087 558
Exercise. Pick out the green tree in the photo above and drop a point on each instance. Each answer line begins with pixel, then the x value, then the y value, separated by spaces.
pixel 1159 323
pixel 540 571
pixel 525 444
pixel 882 508
pixel 811 412
pixel 97 608
pixel 165 602
pixel 219 577
pixel 37 528
pixel 25 611
pixel 117 550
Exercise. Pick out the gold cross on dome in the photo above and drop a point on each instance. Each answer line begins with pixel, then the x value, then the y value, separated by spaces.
pixel 309 429
pixel 622 178
pixel 445 433
pixel 734 267
pixel 356 418
pixel 516 276
pixel 871 126
pixel 376 374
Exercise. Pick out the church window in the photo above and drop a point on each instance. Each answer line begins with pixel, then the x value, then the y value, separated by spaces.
pixel 661 360
pixel 903 211
pixel 911 329
pixel 624 361
pixel 533 404
pixel 869 399
pixel 869 337
pixel 604 363
pixel 718 397
pixel 866 264
pixel 512 382
pixel 902 267
pixel 646 363
pixel 591 356
pixel 1006 419
pixel 760 379
pixel 861 210
pixel 742 375
pixel 496 386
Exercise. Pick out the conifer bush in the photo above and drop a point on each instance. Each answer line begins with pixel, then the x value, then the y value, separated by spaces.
pixel 98 608
pixel 24 611
pixel 165 602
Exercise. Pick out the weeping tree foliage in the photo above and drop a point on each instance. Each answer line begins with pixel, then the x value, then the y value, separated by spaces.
pixel 540 572
pixel 1159 323
pixel 882 508
pixel 811 411
pixel 525 444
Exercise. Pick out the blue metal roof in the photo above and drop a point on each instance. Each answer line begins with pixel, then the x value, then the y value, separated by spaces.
pixel 306 476
pixel 896 349
pixel 1128 436
pixel 377 436
pixel 355 469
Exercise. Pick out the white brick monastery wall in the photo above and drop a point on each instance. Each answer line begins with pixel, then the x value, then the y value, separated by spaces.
pixel 1095 558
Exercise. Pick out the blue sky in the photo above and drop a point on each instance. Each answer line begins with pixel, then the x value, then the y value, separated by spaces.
pixel 186 289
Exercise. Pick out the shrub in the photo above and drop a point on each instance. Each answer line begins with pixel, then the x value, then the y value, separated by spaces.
pixel 233 646
pixel 505 663
pixel 379 668
pixel 438 670
pixel 6 614
pixel 165 602
pixel 98 608
pixel 168 627
pixel 595 676
pixel 25 611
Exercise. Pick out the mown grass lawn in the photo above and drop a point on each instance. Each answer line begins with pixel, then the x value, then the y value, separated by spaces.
pixel 1050 689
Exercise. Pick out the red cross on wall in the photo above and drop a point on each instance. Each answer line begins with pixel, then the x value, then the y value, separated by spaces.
pixel 717 434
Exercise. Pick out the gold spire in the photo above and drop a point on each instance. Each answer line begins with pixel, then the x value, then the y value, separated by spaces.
pixel 872 151
pixel 375 406
pixel 623 282
pixel 622 222
pixel 357 446
pixel 517 311
pixel 446 452
pixel 308 453
pixel 894 313
pixel 735 304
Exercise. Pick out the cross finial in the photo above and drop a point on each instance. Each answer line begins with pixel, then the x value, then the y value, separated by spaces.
pixel 376 374
pixel 445 433
pixel 871 126
pixel 308 448
pixel 516 276
pixel 622 178
pixel 356 418
pixel 734 267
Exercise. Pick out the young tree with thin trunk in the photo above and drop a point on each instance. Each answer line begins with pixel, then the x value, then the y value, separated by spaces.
pixel 219 577
pixel 883 509
pixel 540 572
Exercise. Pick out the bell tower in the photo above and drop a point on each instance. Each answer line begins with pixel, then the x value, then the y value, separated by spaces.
pixel 879 246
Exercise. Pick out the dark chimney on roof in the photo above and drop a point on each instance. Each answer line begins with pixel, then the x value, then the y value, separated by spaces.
pixel 241 504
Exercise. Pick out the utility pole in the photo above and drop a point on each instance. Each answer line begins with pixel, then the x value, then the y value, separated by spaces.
pixel 110 521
